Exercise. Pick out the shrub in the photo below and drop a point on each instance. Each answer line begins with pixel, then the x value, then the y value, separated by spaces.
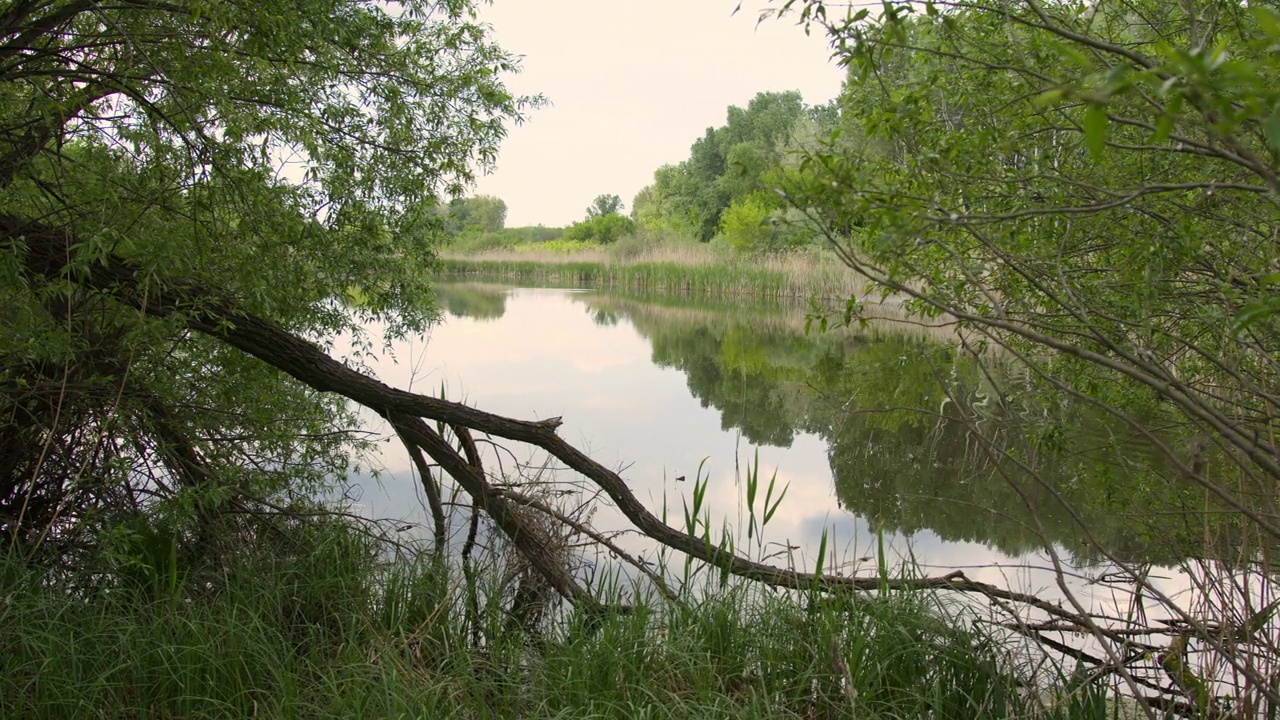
pixel 759 223
pixel 603 229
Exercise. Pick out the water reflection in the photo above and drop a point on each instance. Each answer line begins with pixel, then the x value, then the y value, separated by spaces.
pixel 889 439
pixel 471 300
pixel 873 431
pixel 904 417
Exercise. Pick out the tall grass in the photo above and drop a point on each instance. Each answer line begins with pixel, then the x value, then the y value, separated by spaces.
pixel 684 268
pixel 326 629
pixel 887 320
pixel 297 636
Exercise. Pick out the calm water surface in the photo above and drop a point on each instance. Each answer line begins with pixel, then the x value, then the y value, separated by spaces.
pixel 854 424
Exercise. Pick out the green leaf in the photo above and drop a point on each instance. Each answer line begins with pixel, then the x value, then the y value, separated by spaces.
pixel 1268 21
pixel 1095 129
pixel 1254 313
pixel 1164 126
pixel 1257 623
pixel 772 507
pixel 1049 97
pixel 1271 129
pixel 822 555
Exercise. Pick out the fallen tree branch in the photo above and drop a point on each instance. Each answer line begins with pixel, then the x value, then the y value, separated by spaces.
pixel 439 530
pixel 47 251
pixel 596 536
pixel 531 540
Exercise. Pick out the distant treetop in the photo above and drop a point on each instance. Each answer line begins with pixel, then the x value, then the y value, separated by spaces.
pixel 605 205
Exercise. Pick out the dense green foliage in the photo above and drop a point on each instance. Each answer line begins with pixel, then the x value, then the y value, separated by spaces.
pixel 163 552
pixel 733 165
pixel 504 239
pixel 1090 190
pixel 1082 180
pixel 759 223
pixel 475 215
pixel 729 188
pixel 605 205
pixel 602 229
pixel 285 155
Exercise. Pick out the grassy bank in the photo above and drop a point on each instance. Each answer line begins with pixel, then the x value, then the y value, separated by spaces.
pixel 326 631
pixel 684 269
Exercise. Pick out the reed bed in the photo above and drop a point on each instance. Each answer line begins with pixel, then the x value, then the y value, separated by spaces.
pixel 883 320
pixel 676 269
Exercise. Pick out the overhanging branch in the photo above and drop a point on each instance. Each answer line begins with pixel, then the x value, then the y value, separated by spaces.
pixel 46 254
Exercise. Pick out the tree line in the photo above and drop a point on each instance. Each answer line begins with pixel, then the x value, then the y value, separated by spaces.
pixel 727 190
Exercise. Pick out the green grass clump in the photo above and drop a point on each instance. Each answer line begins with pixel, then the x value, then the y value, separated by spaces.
pixel 282 634
pixel 322 626
pixel 751 652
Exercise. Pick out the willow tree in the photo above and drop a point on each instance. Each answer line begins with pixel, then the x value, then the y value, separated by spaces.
pixel 1092 188
pixel 286 155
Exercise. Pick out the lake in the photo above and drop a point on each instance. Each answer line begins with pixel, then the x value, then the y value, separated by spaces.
pixel 855 424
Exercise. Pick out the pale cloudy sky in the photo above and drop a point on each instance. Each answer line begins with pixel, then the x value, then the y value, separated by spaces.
pixel 632 83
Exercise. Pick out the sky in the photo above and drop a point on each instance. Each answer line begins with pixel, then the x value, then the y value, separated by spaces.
pixel 631 85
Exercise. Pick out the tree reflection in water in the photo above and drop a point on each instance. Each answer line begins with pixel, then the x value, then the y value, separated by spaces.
pixel 919 437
